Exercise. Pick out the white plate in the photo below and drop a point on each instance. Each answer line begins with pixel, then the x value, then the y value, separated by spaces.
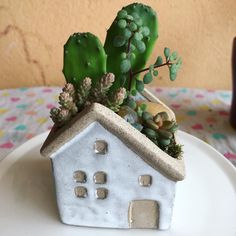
pixel 205 201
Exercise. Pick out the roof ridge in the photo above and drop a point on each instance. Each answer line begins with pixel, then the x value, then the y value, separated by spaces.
pixel 134 139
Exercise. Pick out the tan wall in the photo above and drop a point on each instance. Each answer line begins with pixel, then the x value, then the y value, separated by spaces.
pixel 32 35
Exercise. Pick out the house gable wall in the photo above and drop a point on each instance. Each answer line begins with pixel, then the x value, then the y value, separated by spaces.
pixel 123 168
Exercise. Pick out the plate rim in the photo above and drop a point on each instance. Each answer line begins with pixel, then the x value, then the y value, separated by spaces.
pixel 227 167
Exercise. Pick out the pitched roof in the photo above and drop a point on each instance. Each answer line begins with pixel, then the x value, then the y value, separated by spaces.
pixel 136 141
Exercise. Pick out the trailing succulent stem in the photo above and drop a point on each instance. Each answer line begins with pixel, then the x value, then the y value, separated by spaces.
pixel 129 43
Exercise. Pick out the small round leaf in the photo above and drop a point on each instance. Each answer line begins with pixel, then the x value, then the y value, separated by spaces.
pixel 129 17
pixel 119 41
pixel 173 69
pixel 140 46
pixel 145 31
pixel 134 92
pixel 123 55
pixel 159 61
pixel 131 103
pixel 173 56
pixel 139 85
pixel 147 78
pixel 132 56
pixel 125 66
pixel 139 22
pixel 155 72
pixel 167 52
pixel 122 23
pixel 143 107
pixel 126 33
pixel 135 15
pixel 133 26
pixel 138 36
pixel 132 47
pixel 122 14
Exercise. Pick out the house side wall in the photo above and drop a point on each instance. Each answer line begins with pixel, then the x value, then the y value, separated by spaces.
pixel 123 168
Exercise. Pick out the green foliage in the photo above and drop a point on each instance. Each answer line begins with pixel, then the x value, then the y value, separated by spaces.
pixel 122 23
pixel 147 78
pixel 119 41
pixel 130 102
pixel 175 63
pixel 150 133
pixel 155 72
pixel 159 61
pixel 84 56
pixel 159 129
pixel 139 85
pixel 128 45
pixel 174 150
pixel 167 53
pixel 122 14
pixel 125 66
pixel 141 109
pixel 136 38
pixel 146 116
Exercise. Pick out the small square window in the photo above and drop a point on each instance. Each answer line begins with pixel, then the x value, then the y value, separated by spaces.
pixel 100 147
pixel 101 193
pixel 80 176
pixel 81 192
pixel 145 180
pixel 100 177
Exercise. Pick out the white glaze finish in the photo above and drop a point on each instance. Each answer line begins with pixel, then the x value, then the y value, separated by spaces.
pixel 123 168
pixel 170 167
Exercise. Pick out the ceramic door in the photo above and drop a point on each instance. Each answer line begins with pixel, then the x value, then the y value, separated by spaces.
pixel 143 214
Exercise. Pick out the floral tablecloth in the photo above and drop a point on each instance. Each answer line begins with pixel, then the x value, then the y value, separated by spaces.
pixel 24 113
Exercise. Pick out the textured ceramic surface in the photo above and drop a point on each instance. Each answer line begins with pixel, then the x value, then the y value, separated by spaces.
pixel 139 143
pixel 122 167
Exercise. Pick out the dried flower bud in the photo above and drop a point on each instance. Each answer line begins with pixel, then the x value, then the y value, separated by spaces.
pixel 66 100
pixel 117 99
pixel 69 88
pixel 120 95
pixel 65 97
pixel 59 116
pixel 63 114
pixel 54 113
pixel 99 92
pixel 107 81
pixel 87 82
pixel 74 110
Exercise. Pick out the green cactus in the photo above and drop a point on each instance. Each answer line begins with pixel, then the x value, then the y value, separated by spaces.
pixel 129 42
pixel 84 56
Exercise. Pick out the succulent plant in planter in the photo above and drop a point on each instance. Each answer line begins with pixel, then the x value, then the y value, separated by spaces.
pixel 99 115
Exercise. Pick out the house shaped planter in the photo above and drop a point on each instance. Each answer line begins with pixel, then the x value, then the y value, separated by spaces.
pixel 108 174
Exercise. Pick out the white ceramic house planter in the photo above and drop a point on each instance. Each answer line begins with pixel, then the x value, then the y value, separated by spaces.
pixel 108 174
